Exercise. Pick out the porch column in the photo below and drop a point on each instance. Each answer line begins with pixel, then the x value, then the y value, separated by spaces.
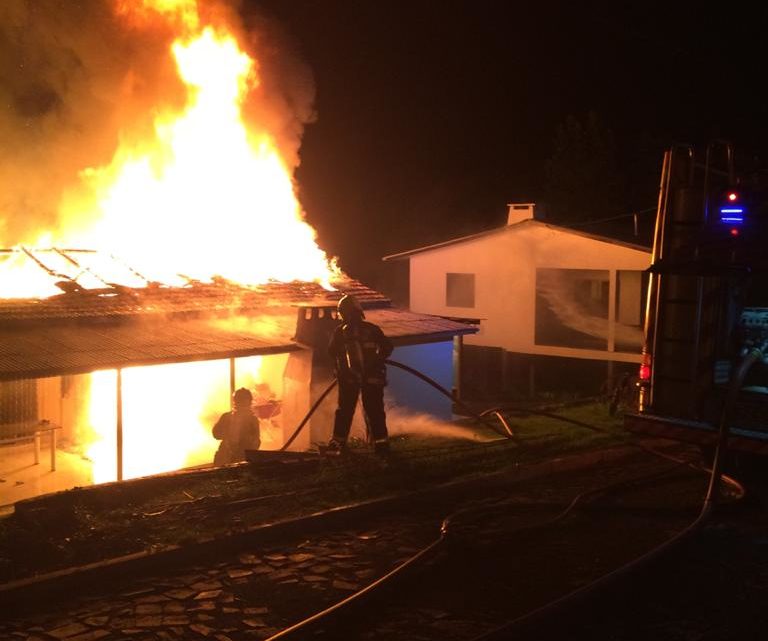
pixel 119 425
pixel 612 294
pixel 231 379
pixel 612 310
pixel 458 350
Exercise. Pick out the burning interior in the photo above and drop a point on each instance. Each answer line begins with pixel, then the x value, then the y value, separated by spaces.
pixel 118 382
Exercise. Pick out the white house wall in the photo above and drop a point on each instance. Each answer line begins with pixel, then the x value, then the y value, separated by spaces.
pixel 505 264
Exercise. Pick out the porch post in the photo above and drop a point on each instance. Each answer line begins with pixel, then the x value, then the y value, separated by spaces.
pixel 231 378
pixel 119 425
pixel 612 291
pixel 458 353
pixel 612 314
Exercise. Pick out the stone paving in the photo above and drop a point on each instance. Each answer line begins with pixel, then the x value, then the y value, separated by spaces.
pixel 257 592
pixel 250 596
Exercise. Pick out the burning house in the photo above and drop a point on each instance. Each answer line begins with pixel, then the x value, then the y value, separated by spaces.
pixel 116 382
pixel 153 131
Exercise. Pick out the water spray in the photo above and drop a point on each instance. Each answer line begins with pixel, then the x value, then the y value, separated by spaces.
pixel 481 418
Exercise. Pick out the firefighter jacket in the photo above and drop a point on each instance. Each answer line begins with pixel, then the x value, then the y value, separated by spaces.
pixel 238 431
pixel 358 351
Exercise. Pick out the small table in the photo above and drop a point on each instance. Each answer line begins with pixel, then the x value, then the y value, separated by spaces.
pixel 34 431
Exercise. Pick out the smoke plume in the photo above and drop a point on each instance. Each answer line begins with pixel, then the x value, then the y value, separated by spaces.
pixel 77 79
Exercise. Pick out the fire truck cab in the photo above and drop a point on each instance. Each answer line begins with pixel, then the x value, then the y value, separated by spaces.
pixel 707 303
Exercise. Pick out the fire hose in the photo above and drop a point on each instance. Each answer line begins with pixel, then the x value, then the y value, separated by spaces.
pixel 547 611
pixel 306 418
pixel 481 418
pixel 746 363
pixel 550 610
pixel 448 530
pixel 478 417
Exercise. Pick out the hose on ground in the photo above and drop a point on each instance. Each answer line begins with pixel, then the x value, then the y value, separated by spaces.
pixel 595 428
pixel 481 418
pixel 324 616
pixel 447 529
pixel 549 610
pixel 752 357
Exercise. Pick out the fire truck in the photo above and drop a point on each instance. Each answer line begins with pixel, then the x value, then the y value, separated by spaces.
pixel 706 313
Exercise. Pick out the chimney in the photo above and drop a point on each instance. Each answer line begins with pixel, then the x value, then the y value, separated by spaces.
pixel 518 212
pixel 314 325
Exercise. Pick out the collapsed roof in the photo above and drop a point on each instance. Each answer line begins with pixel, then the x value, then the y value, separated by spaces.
pixel 96 323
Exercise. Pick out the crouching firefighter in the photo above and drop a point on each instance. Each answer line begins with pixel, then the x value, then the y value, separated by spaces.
pixel 358 350
pixel 237 430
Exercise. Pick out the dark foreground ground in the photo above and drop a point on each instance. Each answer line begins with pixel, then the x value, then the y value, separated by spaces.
pixel 91 524
pixel 498 563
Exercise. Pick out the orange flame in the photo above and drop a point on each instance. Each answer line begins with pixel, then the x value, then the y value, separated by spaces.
pixel 186 11
pixel 168 412
pixel 205 194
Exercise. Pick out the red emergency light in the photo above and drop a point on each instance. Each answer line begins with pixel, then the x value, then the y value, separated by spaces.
pixel 732 210
pixel 645 368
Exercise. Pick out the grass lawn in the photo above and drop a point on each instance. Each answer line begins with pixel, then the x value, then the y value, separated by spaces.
pixel 81 526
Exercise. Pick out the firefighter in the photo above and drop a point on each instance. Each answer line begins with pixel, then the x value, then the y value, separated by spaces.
pixel 358 350
pixel 237 430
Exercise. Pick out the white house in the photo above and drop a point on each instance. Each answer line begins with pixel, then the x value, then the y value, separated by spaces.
pixel 535 289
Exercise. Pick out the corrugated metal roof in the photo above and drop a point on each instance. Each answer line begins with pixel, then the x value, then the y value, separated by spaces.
pixel 40 350
pixel 197 298
pixel 104 326
pixel 401 325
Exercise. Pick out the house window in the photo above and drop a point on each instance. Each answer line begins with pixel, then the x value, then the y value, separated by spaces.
pixel 460 290
pixel 572 308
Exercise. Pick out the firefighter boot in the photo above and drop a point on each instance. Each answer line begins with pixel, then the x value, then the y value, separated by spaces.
pixel 335 447
pixel 381 448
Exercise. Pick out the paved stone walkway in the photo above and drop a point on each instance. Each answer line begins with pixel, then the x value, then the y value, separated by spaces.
pixel 250 596
pixel 256 593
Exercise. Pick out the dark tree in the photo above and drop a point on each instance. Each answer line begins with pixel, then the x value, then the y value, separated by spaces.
pixel 582 178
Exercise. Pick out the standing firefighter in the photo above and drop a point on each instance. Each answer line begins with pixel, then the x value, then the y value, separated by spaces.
pixel 237 430
pixel 358 350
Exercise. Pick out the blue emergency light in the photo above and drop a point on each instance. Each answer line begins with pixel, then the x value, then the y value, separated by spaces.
pixel 731 208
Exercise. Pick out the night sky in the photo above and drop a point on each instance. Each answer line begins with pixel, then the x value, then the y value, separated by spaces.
pixel 431 116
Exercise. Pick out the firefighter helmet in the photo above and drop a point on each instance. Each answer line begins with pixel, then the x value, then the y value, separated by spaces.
pixel 349 308
pixel 242 398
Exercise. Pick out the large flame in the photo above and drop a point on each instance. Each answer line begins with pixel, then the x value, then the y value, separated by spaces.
pixel 205 193
pixel 168 412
